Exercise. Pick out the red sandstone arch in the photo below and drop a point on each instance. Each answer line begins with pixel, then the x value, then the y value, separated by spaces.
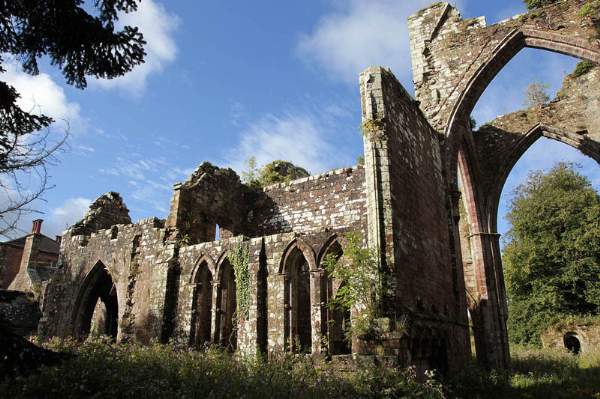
pixel 510 46
pixel 482 211
pixel 301 294
pixel 334 320
pixel 526 141
pixel 203 259
pixel 307 251
pixel 97 286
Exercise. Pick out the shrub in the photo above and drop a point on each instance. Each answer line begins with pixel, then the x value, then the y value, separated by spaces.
pixel 101 369
pixel 582 68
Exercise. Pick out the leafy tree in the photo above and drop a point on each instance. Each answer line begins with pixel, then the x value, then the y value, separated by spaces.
pixel 81 45
pixel 271 173
pixel 552 259
pixel 536 95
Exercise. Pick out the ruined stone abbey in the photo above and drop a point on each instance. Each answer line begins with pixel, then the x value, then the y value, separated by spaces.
pixel 426 199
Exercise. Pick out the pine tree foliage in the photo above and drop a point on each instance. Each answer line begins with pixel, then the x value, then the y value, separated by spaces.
pixel 552 259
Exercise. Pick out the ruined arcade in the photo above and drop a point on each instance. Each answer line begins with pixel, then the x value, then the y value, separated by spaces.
pixel 426 199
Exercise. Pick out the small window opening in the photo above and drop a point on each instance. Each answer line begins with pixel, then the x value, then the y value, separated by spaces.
pixel 114 232
pixel 217 232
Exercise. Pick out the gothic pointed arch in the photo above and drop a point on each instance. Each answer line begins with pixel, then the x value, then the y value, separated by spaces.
pixel 96 307
pixel 202 302
pixel 335 319
pixel 226 309
pixel 297 262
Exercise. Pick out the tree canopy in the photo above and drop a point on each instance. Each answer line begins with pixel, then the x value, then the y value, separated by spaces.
pixel 552 259
pixel 80 44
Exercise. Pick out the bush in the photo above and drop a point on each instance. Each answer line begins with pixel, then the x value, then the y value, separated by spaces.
pixel 102 369
pixel 582 68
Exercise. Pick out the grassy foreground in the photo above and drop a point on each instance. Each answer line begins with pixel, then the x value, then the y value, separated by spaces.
pixel 103 370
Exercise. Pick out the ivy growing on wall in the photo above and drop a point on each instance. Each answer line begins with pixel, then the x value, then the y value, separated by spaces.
pixel 362 284
pixel 239 257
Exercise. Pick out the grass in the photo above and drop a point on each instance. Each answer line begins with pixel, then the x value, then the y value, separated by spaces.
pixel 100 369
pixel 535 373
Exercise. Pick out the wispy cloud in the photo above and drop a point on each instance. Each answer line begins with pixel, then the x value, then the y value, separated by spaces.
pixel 360 33
pixel 298 137
pixel 150 180
pixel 157 25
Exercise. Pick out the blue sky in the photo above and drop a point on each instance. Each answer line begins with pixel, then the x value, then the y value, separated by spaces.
pixel 225 81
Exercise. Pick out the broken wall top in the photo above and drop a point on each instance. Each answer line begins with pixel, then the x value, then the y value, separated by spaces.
pixel 108 210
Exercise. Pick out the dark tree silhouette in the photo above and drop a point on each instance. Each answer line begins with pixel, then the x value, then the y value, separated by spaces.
pixel 80 44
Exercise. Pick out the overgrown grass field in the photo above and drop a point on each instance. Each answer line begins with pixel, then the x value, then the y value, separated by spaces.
pixel 101 369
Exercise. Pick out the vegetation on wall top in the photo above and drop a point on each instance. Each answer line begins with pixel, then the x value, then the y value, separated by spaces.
pixel 271 173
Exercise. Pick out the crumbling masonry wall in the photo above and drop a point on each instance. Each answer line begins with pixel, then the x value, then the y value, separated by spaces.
pixel 172 279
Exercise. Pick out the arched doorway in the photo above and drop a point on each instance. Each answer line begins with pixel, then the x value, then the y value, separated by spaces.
pixel 202 306
pixel 297 303
pixel 97 305
pixel 226 307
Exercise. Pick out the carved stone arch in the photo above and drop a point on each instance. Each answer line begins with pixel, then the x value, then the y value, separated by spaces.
pixel 505 51
pixel 202 279
pixel 469 89
pixel 332 240
pixel 301 298
pixel 335 321
pixel 516 152
pixel 97 304
pixel 203 259
pixel 306 250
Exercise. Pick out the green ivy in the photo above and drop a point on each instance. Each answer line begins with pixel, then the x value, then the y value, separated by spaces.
pixel 362 285
pixel 239 257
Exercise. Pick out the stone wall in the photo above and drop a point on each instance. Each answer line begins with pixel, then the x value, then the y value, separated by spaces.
pixel 154 267
pixel 20 312
pixel 403 157
pixel 334 200
pixel 10 262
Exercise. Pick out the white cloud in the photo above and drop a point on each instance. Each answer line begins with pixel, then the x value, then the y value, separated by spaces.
pixel 65 215
pixel 56 220
pixel 298 138
pixel 360 33
pixel 157 25
pixel 40 94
